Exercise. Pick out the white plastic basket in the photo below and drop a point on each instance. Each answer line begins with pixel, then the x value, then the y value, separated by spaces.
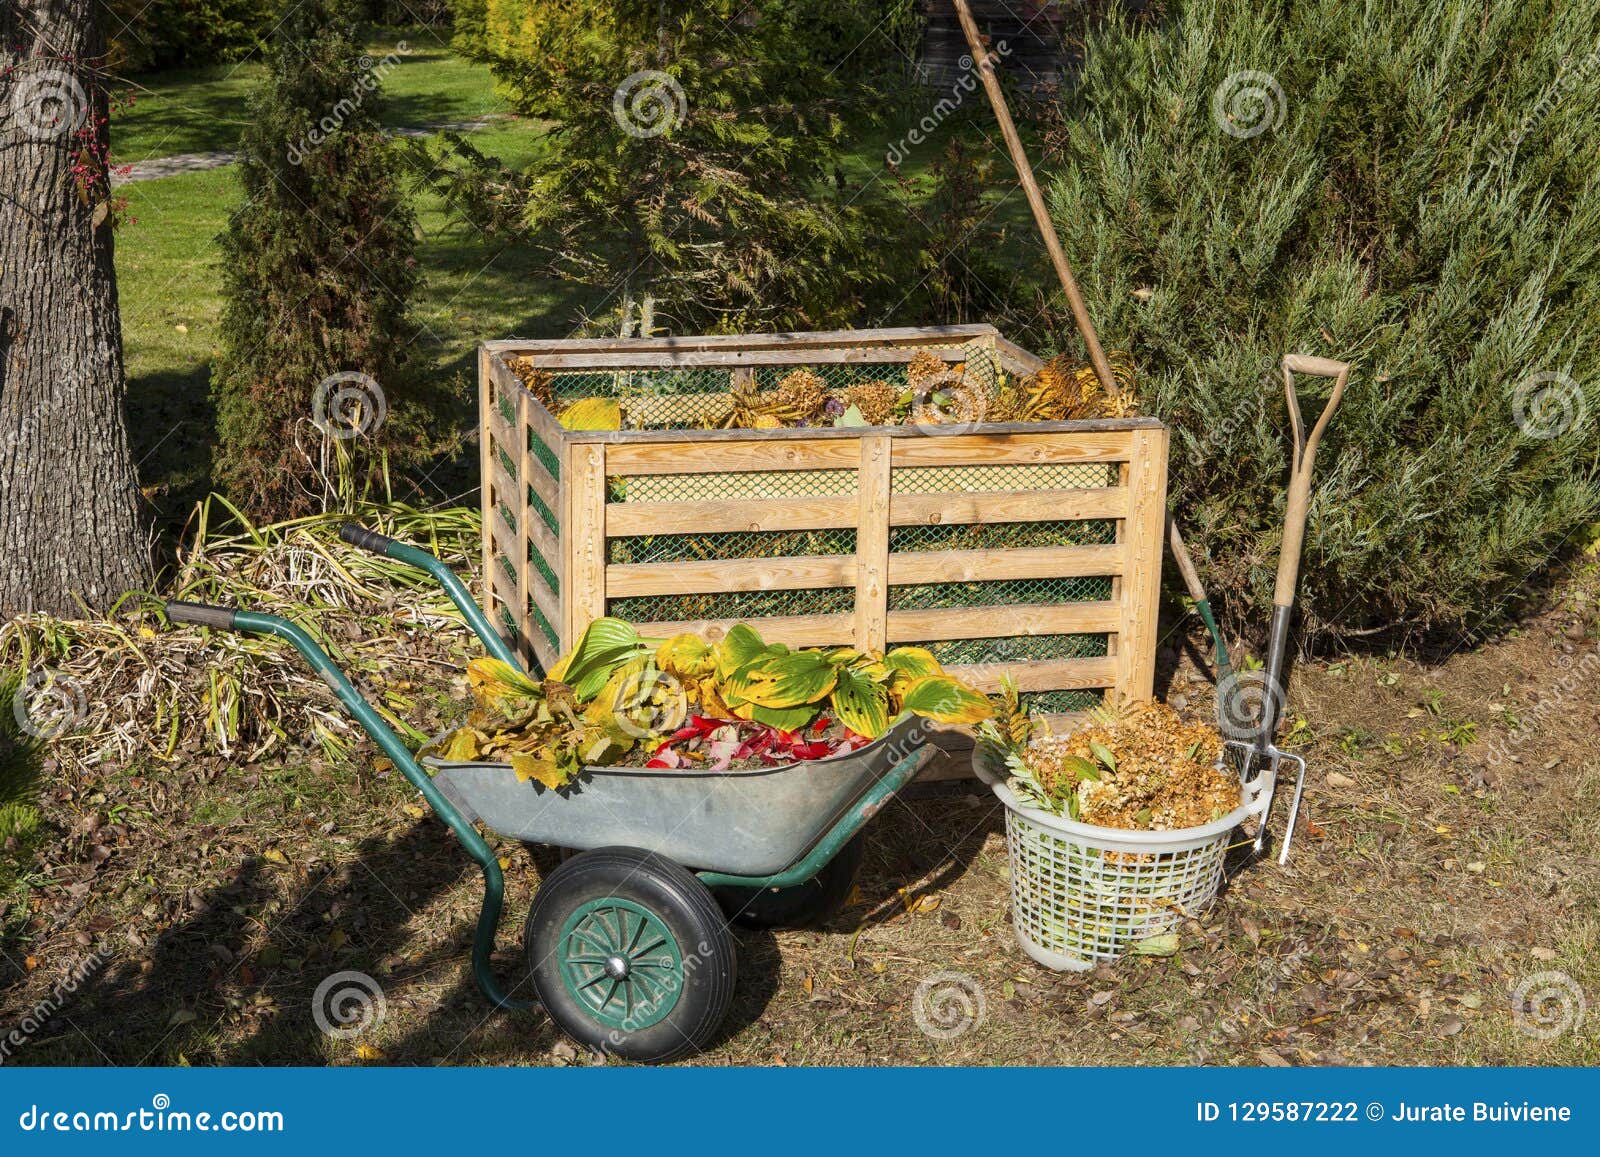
pixel 1081 893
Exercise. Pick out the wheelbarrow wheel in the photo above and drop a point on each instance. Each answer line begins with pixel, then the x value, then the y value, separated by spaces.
pixel 803 905
pixel 629 954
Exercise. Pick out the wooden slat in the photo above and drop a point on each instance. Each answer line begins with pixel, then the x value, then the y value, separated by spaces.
pixel 1009 506
pixel 504 540
pixel 713 358
pixel 547 544
pixel 791 630
pixel 545 599
pixel 702 438
pixel 754 574
pixel 504 588
pixel 872 545
pixel 542 650
pixel 991 622
pixel 1041 675
pixel 503 485
pixel 719 457
pixel 623 518
pixel 1139 591
pixel 1012 449
pixel 903 335
pixel 501 430
pixel 525 512
pixel 1016 359
pixel 583 525
pixel 1040 562
pixel 485 478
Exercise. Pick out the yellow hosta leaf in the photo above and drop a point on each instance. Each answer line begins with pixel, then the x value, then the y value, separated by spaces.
pixel 687 656
pixel 947 700
pixel 593 414
pixel 461 747
pixel 531 765
pixel 369 1053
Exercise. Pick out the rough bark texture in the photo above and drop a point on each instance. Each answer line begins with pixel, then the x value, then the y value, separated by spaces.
pixel 70 523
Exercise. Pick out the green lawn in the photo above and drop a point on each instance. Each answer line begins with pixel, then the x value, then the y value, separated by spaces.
pixel 168 271
pixel 204 109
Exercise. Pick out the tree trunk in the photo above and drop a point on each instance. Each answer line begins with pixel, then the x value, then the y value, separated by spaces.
pixel 70 523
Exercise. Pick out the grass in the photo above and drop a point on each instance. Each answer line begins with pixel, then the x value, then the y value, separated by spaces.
pixel 169 279
pixel 204 109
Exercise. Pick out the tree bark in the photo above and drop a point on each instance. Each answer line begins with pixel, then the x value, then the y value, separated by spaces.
pixel 70 518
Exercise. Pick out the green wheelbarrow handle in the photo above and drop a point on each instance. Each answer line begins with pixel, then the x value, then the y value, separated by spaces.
pixel 494 885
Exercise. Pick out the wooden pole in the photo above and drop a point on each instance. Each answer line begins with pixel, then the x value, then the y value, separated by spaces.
pixel 1030 186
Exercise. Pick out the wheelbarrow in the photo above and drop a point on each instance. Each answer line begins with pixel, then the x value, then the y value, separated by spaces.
pixel 627 944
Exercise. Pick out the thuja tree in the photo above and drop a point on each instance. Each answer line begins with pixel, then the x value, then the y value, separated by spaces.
pixel 694 171
pixel 317 268
pixel 1408 185
pixel 70 525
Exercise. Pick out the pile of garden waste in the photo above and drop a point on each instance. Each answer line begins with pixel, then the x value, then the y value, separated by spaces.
pixel 738 702
pixel 1139 767
pixel 935 392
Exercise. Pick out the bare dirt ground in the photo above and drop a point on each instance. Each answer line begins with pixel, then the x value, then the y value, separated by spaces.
pixel 1440 906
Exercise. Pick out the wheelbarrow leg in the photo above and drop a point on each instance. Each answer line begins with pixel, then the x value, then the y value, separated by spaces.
pixel 253 623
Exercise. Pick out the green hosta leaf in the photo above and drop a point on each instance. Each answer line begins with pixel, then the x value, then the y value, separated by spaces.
pixel 593 414
pixel 785 680
pixel 946 700
pixel 852 416
pixel 785 718
pixel 604 645
pixel 861 703
pixel 1079 767
pixel 740 646
pixel 1103 754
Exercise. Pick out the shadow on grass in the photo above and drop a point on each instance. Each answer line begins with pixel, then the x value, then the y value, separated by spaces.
pixel 204 999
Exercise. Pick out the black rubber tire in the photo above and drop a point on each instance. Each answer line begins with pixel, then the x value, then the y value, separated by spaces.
pixel 677 898
pixel 803 905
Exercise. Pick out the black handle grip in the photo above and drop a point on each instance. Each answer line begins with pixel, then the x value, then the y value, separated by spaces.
pixel 201 614
pixel 363 539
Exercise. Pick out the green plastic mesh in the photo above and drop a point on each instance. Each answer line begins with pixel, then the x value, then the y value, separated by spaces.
pixel 998 593
pixel 1055 702
pixel 731 544
pixel 734 485
pixel 733 605
pixel 989 479
pixel 545 455
pixel 1016 649
pixel 538 560
pixel 1002 535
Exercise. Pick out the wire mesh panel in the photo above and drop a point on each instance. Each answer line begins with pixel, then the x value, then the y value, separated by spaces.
pixel 738 489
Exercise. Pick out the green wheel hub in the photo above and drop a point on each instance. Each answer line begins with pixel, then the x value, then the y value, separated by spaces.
pixel 621 963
